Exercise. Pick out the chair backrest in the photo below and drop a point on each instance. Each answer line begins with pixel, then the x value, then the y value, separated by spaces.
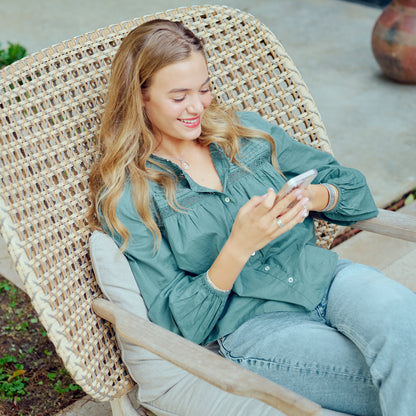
pixel 50 108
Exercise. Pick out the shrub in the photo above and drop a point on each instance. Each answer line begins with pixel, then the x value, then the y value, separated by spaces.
pixel 14 52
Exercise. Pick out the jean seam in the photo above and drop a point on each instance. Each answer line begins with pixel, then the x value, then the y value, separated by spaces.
pixel 368 354
pixel 360 342
pixel 306 368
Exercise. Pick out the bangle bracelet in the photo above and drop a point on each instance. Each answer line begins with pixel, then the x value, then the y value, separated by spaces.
pixel 333 197
pixel 211 283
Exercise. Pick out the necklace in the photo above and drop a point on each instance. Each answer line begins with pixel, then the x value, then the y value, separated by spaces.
pixel 184 164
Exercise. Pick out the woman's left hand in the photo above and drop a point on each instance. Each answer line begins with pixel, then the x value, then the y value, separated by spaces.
pixel 318 197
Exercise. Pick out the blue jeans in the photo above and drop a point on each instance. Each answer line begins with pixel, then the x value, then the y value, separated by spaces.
pixel 355 353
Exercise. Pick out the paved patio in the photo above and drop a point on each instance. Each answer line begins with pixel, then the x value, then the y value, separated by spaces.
pixel 369 118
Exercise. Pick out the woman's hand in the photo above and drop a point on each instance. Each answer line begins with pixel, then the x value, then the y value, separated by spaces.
pixel 262 219
pixel 258 222
pixel 318 197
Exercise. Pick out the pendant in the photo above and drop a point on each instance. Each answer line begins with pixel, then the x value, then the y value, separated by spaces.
pixel 185 164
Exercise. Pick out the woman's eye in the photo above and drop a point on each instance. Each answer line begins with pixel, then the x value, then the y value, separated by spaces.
pixel 178 100
pixel 205 91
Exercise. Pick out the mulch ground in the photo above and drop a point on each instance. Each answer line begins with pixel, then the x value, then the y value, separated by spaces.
pixel 33 380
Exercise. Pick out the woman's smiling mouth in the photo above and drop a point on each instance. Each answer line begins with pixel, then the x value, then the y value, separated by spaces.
pixel 192 122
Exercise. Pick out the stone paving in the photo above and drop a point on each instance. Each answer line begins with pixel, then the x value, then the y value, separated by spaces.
pixel 370 119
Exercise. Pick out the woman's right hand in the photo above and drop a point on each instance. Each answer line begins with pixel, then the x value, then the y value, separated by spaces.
pixel 262 219
pixel 258 222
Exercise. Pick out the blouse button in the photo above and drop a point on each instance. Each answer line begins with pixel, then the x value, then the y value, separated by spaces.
pixel 227 199
pixel 266 268
pixel 253 254
pixel 290 280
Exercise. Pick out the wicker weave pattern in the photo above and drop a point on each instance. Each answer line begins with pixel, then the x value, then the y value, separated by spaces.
pixel 51 104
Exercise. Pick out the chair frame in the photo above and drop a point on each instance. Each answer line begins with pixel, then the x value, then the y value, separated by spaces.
pixel 51 105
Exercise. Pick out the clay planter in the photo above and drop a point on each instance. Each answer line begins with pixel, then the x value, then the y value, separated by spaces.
pixel 394 41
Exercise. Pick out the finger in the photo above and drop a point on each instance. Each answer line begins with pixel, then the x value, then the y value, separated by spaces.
pixel 267 201
pixel 300 210
pixel 280 222
pixel 286 203
pixel 293 216
pixel 257 201
pixel 253 202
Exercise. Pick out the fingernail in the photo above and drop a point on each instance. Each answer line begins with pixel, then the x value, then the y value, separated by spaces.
pixel 305 201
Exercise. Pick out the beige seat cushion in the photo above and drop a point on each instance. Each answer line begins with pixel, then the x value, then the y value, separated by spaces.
pixel 153 374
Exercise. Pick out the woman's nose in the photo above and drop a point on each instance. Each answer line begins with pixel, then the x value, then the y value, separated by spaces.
pixel 195 104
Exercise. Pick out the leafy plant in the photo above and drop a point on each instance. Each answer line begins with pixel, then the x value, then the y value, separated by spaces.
pixel 410 198
pixel 62 382
pixel 32 376
pixel 5 286
pixel 13 53
pixel 406 199
pixel 11 292
pixel 12 379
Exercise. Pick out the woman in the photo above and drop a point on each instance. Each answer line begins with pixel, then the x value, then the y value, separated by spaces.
pixel 187 188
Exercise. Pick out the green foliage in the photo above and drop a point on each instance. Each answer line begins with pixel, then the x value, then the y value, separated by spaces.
pixel 12 379
pixel 61 382
pixel 410 198
pixel 11 292
pixel 5 286
pixel 13 53
pixel 31 374
pixel 406 199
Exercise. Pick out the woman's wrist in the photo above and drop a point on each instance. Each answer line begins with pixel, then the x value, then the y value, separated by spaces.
pixel 323 197
pixel 227 266
pixel 214 286
pixel 332 197
pixel 318 197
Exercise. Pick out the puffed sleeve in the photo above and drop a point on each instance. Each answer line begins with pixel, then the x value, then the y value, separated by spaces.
pixel 355 202
pixel 185 304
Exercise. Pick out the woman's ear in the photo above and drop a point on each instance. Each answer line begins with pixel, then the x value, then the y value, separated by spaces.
pixel 144 97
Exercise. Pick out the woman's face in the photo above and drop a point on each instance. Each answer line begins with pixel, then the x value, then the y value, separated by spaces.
pixel 176 100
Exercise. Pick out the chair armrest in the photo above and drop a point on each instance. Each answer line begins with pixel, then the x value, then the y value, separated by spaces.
pixel 392 224
pixel 202 363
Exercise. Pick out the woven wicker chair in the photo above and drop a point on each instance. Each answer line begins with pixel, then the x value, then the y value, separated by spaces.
pixel 51 103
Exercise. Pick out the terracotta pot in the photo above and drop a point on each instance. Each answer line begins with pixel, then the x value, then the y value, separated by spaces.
pixel 394 40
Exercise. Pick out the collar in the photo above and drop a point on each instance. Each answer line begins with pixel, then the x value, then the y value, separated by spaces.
pixel 221 163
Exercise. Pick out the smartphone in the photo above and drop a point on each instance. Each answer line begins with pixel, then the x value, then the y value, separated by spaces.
pixel 301 181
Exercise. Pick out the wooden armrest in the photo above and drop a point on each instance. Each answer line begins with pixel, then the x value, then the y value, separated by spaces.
pixel 202 363
pixel 392 224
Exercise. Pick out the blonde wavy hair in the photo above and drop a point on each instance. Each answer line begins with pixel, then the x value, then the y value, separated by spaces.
pixel 126 140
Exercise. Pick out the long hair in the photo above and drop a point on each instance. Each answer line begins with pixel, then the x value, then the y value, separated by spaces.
pixel 126 140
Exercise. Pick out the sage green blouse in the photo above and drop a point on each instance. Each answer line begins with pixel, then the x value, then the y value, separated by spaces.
pixel 289 274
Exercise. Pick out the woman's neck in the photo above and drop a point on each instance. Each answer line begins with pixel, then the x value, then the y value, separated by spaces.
pixel 176 151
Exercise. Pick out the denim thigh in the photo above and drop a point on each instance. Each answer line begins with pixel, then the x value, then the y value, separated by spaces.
pixel 378 315
pixel 301 352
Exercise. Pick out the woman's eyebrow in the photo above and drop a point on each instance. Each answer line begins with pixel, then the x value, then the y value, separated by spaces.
pixel 176 90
